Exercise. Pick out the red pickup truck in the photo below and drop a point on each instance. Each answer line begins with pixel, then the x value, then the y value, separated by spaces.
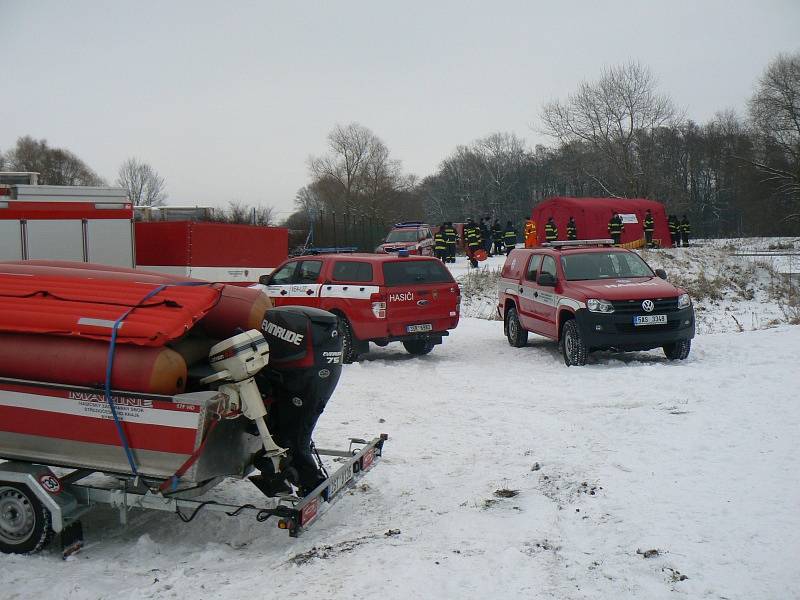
pixel 591 296
pixel 378 298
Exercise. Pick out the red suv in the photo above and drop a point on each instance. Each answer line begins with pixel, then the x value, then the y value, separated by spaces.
pixel 412 236
pixel 592 296
pixel 378 298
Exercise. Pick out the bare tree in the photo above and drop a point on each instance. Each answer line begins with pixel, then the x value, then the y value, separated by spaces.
pixel 775 114
pixel 238 212
pixel 55 166
pixel 244 214
pixel 610 115
pixel 357 177
pixel 144 185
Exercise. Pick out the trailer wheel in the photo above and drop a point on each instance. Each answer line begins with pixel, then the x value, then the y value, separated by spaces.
pixel 678 350
pixel 517 336
pixel 24 521
pixel 418 347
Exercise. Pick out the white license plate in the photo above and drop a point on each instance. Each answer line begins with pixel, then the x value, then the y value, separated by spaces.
pixel 419 328
pixel 650 320
pixel 339 481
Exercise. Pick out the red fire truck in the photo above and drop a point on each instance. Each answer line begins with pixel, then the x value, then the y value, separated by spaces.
pixel 96 224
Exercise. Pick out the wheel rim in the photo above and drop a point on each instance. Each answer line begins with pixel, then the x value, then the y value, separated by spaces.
pixel 17 516
pixel 569 345
pixel 512 327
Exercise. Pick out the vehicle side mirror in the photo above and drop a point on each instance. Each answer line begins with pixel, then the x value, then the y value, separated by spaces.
pixel 661 273
pixel 264 279
pixel 547 279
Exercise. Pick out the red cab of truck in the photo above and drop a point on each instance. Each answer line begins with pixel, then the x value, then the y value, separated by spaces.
pixel 378 298
pixel 589 296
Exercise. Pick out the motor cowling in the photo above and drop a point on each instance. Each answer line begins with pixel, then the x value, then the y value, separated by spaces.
pixel 305 365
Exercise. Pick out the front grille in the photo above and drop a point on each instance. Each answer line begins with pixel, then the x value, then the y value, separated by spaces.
pixel 662 305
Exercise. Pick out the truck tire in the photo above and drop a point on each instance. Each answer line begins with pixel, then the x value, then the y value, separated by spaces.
pixel 419 347
pixel 678 350
pixel 24 521
pixel 572 346
pixel 349 353
pixel 517 336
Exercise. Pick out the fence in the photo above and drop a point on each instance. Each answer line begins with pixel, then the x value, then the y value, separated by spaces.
pixel 330 229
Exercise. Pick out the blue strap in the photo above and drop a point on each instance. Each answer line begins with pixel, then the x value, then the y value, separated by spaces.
pixel 110 366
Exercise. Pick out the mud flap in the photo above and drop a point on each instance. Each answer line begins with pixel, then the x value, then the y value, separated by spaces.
pixel 71 539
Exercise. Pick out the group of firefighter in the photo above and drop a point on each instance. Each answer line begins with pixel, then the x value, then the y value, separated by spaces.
pixel 495 239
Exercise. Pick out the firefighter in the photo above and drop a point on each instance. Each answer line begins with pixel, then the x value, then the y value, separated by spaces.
pixel 530 234
pixel 472 241
pixel 649 226
pixel 439 244
pixel 615 228
pixel 686 230
pixel 451 239
pixel 550 230
pixel 486 235
pixel 497 237
pixel 674 231
pixel 572 229
pixel 510 238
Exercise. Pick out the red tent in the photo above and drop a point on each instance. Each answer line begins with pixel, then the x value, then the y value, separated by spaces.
pixel 592 215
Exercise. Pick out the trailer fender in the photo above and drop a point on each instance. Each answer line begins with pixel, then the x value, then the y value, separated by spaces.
pixel 44 484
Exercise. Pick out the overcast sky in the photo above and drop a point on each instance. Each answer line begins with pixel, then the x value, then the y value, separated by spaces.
pixel 228 99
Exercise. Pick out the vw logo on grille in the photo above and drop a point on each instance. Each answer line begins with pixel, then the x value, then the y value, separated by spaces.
pixel 648 306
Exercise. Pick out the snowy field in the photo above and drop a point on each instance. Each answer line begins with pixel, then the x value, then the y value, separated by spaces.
pixel 507 475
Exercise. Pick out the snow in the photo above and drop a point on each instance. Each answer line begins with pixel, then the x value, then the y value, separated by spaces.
pixel 694 459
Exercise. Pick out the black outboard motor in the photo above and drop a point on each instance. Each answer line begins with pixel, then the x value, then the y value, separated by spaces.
pixel 305 362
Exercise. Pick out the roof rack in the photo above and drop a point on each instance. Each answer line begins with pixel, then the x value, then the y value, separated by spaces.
pixel 409 224
pixel 577 243
pixel 331 250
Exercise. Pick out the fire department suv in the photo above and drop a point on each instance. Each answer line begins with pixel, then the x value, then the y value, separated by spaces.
pixel 378 298
pixel 588 295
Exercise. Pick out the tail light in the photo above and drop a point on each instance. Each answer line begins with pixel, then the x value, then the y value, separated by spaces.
pixel 378 305
pixel 457 291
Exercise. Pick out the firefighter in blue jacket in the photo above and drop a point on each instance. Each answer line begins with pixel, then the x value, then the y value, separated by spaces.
pixel 439 244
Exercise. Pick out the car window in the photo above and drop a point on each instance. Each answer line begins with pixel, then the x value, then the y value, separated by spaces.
pixel 404 272
pixel 604 265
pixel 308 271
pixel 533 267
pixel 284 275
pixel 402 235
pixel 348 270
pixel 548 266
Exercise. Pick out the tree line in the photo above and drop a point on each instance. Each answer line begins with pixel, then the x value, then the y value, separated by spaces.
pixel 144 185
pixel 618 136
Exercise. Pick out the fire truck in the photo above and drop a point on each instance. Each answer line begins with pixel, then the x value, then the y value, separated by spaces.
pixel 97 225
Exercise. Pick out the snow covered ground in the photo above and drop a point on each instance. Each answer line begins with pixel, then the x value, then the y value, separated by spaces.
pixel 506 475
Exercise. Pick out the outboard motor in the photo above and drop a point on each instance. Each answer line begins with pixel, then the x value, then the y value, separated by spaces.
pixel 304 368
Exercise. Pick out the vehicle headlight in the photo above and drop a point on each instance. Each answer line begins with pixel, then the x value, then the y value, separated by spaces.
pixel 684 301
pixel 600 306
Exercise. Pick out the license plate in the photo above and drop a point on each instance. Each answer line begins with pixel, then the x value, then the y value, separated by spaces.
pixel 419 328
pixel 650 320
pixel 340 480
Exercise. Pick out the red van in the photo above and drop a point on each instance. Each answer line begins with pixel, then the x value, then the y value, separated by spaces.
pixel 378 298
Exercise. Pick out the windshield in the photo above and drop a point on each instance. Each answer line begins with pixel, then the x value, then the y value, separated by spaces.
pixel 604 265
pixel 402 235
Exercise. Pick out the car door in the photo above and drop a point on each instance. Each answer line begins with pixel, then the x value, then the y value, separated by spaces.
pixel 546 299
pixel 296 283
pixel 528 292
